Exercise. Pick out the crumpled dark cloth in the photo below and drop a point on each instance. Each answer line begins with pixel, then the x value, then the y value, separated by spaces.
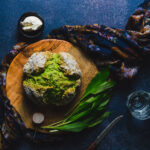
pixel 123 50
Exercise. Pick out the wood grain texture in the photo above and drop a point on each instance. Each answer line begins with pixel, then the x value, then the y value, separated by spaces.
pixel 15 91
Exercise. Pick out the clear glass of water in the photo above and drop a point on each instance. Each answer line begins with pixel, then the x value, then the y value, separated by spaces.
pixel 138 104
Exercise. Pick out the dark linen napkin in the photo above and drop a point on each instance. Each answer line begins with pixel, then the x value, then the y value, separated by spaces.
pixel 122 49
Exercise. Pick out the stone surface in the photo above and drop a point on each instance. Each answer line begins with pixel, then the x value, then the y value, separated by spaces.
pixel 129 133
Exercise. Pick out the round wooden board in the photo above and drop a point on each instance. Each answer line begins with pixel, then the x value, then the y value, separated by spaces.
pixel 15 91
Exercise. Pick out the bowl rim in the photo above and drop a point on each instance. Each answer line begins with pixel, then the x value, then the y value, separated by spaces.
pixel 30 34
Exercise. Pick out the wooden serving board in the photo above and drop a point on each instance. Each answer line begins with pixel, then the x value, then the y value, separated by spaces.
pixel 15 91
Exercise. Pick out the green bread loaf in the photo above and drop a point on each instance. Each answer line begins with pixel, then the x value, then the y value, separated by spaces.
pixel 51 78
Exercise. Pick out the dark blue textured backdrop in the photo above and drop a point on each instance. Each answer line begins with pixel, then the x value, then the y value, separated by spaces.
pixel 128 134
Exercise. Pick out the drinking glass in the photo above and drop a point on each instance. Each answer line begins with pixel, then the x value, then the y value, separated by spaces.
pixel 138 104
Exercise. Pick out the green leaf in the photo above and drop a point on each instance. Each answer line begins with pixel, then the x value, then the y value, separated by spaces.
pixel 99 119
pixel 99 104
pixel 84 106
pixel 102 105
pixel 81 107
pixel 73 127
pixel 79 115
pixel 89 103
pixel 103 87
pixel 95 105
pixel 93 98
pixel 96 81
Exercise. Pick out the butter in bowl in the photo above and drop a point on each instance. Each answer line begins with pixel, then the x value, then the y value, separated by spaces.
pixel 30 25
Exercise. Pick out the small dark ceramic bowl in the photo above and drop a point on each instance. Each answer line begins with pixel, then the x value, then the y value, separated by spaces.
pixel 30 34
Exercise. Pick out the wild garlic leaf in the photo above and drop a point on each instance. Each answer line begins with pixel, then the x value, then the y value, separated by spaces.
pixel 96 81
pixel 89 102
pixel 93 98
pixel 83 106
pixel 99 119
pixel 104 104
pixel 103 87
pixel 73 127
pixel 79 115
